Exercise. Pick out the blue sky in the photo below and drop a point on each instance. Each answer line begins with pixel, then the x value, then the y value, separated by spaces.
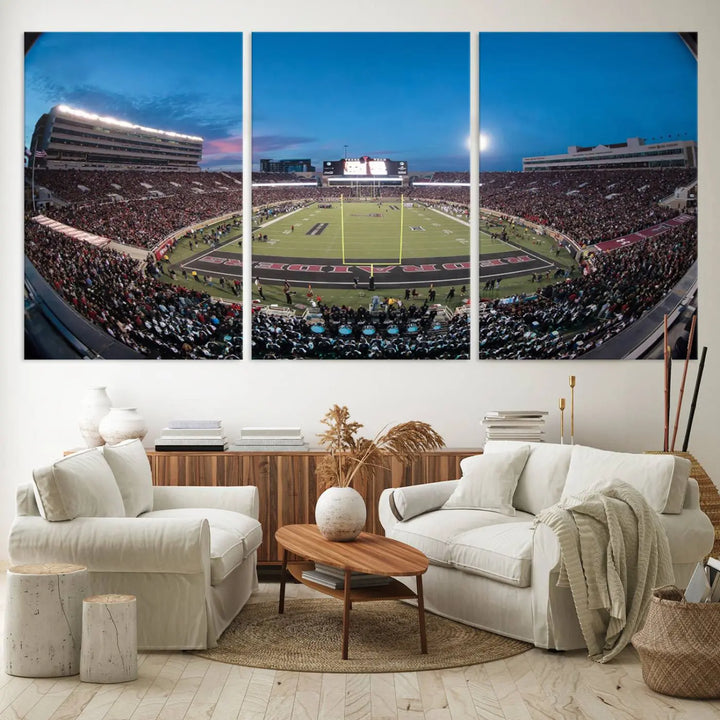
pixel 542 92
pixel 398 95
pixel 401 95
pixel 184 82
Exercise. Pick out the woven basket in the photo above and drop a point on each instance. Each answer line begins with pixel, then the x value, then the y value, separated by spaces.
pixel 679 646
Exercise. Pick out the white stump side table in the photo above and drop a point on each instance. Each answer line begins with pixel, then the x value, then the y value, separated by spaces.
pixel 109 639
pixel 43 619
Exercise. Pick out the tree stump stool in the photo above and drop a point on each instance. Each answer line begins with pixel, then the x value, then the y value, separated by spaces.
pixel 43 619
pixel 109 639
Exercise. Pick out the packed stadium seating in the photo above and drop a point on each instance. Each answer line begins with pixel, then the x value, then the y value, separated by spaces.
pixel 565 318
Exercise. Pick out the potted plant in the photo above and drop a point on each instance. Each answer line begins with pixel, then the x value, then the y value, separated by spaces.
pixel 340 510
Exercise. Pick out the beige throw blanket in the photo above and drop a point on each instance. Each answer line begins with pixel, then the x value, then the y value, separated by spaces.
pixel 614 551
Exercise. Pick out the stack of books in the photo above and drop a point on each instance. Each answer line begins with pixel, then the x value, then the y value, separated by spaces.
pixel 520 425
pixel 192 436
pixel 264 439
pixel 333 577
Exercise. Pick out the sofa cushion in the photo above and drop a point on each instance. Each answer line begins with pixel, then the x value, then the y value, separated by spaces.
pixel 131 468
pixel 488 482
pixel 434 533
pixel 661 479
pixel 502 552
pixel 233 536
pixel 541 482
pixel 79 485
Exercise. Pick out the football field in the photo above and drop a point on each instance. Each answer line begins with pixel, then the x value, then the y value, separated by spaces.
pixel 364 232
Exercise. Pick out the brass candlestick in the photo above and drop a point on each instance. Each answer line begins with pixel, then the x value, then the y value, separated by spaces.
pixel 561 405
pixel 572 409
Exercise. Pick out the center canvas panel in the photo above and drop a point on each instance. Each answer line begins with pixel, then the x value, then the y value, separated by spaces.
pixel 361 195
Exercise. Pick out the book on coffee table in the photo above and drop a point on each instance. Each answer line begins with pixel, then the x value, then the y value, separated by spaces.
pixel 332 577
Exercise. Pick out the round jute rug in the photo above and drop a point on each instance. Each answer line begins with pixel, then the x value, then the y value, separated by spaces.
pixel 384 637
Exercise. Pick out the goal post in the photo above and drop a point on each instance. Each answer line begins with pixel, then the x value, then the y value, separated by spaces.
pixel 400 231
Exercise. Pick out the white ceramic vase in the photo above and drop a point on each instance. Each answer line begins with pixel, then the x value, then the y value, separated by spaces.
pixel 95 407
pixel 340 513
pixel 122 424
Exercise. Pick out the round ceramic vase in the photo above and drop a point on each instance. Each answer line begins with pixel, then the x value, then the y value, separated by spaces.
pixel 95 407
pixel 340 513
pixel 122 424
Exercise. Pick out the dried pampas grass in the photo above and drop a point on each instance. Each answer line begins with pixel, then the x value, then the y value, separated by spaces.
pixel 354 457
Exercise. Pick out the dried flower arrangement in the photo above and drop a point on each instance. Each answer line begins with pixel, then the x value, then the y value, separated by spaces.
pixel 354 457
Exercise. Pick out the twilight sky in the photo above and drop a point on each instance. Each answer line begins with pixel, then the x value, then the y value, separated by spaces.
pixel 401 95
pixel 185 82
pixel 541 92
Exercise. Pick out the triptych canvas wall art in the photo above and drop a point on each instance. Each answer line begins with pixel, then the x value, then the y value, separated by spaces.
pixel 359 238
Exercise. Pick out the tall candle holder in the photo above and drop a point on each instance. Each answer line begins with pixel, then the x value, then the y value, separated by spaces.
pixel 561 405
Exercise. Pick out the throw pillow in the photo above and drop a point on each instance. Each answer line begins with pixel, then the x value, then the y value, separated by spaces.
pixel 662 479
pixel 488 482
pixel 79 485
pixel 541 482
pixel 131 468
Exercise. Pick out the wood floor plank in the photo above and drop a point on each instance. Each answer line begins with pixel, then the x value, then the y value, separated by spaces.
pixel 184 691
pixel 282 696
pixel 357 697
pixel 460 703
pixel 207 695
pixel 162 688
pixel 307 697
pixel 233 693
pixel 101 702
pixel 52 699
pixel 15 687
pixel 407 696
pixel 257 695
pixel 382 696
pixel 433 696
pixel 485 702
pixel 28 698
pixel 332 697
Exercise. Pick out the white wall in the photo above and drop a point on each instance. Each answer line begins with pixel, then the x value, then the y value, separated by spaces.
pixel 618 404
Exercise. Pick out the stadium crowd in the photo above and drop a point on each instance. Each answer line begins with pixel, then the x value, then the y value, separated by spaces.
pixel 392 332
pixel 153 318
pixel 570 318
pixel 563 320
pixel 588 205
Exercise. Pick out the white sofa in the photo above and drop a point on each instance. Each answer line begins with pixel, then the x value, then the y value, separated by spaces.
pixel 491 568
pixel 187 553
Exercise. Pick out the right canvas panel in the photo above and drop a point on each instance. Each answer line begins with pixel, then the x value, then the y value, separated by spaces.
pixel 588 195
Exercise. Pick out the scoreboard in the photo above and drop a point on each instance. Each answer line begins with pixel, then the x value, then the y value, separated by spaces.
pixel 364 167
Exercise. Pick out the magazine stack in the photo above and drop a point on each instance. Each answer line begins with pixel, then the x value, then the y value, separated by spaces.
pixel 192 436
pixel 333 577
pixel 518 425
pixel 275 439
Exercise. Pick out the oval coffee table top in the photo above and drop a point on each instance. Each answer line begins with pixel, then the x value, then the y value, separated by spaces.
pixel 368 553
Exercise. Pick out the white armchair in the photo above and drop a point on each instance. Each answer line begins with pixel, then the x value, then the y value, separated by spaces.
pixel 190 560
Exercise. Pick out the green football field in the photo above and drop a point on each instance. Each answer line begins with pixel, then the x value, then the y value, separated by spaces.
pixel 369 232
pixel 365 232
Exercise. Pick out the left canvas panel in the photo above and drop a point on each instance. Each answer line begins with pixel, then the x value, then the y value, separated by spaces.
pixel 133 173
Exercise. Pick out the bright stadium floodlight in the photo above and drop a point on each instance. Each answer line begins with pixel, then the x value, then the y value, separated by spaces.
pixel 65 110
pixel 483 143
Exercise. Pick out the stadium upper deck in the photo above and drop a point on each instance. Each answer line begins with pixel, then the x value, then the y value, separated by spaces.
pixel 633 153
pixel 70 138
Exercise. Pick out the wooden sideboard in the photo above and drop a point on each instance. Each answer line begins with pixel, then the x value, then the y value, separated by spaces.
pixel 287 485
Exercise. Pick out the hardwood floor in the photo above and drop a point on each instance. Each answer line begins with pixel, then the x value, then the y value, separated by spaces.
pixel 179 686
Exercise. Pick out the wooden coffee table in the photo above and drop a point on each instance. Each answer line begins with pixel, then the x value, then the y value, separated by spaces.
pixel 368 553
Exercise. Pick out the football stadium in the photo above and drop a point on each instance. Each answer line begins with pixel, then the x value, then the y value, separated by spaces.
pixel 133 250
